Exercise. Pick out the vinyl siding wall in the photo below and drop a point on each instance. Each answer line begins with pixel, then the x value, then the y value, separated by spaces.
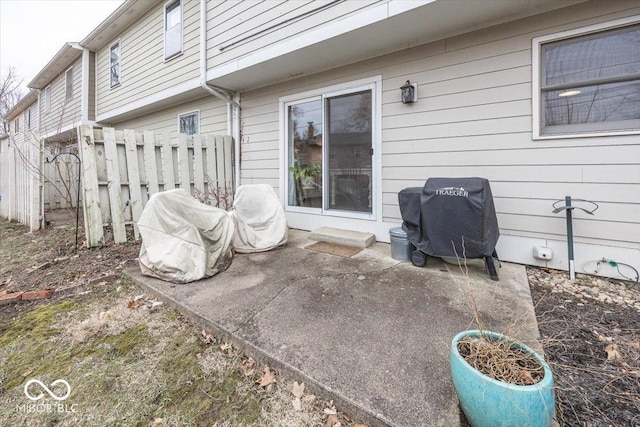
pixel 213 118
pixel 474 118
pixel 33 132
pixel 63 113
pixel 231 21
pixel 144 71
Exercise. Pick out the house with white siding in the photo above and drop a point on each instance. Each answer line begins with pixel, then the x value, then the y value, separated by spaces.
pixel 42 123
pixel 66 93
pixel 541 97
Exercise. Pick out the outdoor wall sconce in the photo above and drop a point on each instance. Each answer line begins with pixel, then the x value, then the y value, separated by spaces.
pixel 409 92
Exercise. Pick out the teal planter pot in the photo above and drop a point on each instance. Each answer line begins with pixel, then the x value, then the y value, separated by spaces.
pixel 487 402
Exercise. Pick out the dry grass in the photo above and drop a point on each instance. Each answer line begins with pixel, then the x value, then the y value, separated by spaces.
pixel 126 366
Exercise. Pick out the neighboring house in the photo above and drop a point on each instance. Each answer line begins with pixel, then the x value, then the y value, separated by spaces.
pixel 4 147
pixel 20 186
pixel 44 122
pixel 66 87
pixel 542 98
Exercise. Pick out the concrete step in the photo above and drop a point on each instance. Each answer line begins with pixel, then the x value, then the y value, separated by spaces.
pixel 343 237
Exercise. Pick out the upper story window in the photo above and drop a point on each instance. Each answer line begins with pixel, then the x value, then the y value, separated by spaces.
pixel 68 83
pixel 16 125
pixel 589 84
pixel 172 28
pixel 47 99
pixel 27 120
pixel 189 123
pixel 114 64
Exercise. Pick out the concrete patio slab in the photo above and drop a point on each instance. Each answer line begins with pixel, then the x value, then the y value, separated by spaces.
pixel 368 332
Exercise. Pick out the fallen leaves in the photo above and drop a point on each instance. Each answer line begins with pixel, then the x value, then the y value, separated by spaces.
pixel 332 421
pixel 248 367
pixel 297 389
pixel 612 352
pixel 145 303
pixel 617 348
pixel 207 338
pixel 268 377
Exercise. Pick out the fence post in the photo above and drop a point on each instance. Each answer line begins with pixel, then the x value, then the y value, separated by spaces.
pixel 113 185
pixel 167 162
pixel 183 163
pixel 91 196
pixel 150 166
pixel 135 193
pixel 198 166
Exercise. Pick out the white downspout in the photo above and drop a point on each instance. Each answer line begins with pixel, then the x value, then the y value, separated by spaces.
pixel 233 107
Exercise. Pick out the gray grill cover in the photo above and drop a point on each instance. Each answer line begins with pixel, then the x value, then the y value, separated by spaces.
pixel 447 210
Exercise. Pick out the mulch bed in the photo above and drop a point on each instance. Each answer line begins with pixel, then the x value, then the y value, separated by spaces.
pixel 593 349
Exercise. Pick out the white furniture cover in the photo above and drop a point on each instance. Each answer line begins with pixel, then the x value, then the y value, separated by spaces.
pixel 259 219
pixel 182 239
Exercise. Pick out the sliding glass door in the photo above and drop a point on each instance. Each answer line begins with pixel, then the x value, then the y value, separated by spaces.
pixel 329 152
pixel 349 152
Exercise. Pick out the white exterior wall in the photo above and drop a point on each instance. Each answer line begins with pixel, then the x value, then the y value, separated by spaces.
pixel 20 159
pixel 143 69
pixel 64 114
pixel 230 22
pixel 474 118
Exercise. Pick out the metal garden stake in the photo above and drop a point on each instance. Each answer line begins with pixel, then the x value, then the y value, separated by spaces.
pixel 568 208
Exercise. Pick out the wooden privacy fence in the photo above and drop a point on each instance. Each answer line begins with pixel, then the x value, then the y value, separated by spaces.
pixel 20 182
pixel 121 169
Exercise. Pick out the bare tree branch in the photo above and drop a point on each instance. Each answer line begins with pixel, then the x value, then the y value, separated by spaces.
pixel 10 94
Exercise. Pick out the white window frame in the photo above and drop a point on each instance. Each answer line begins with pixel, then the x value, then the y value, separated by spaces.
pixel 27 119
pixel 16 127
pixel 68 84
pixel 167 5
pixel 536 78
pixel 375 85
pixel 111 84
pixel 190 113
pixel 47 99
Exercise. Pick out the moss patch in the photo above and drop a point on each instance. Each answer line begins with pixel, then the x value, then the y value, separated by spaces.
pixel 29 343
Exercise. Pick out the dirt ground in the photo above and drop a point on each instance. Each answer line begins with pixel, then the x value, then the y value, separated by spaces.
pixel 131 361
pixel 590 331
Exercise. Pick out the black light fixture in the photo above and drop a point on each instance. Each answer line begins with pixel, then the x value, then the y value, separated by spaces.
pixel 409 92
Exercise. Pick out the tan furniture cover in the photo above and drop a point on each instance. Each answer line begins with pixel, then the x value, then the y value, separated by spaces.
pixel 259 219
pixel 182 239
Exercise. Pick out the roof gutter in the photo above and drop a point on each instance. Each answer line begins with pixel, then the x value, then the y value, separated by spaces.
pixel 36 82
pixel 22 104
pixel 233 108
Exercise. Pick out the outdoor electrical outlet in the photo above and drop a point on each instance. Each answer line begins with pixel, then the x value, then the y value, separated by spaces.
pixel 541 252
